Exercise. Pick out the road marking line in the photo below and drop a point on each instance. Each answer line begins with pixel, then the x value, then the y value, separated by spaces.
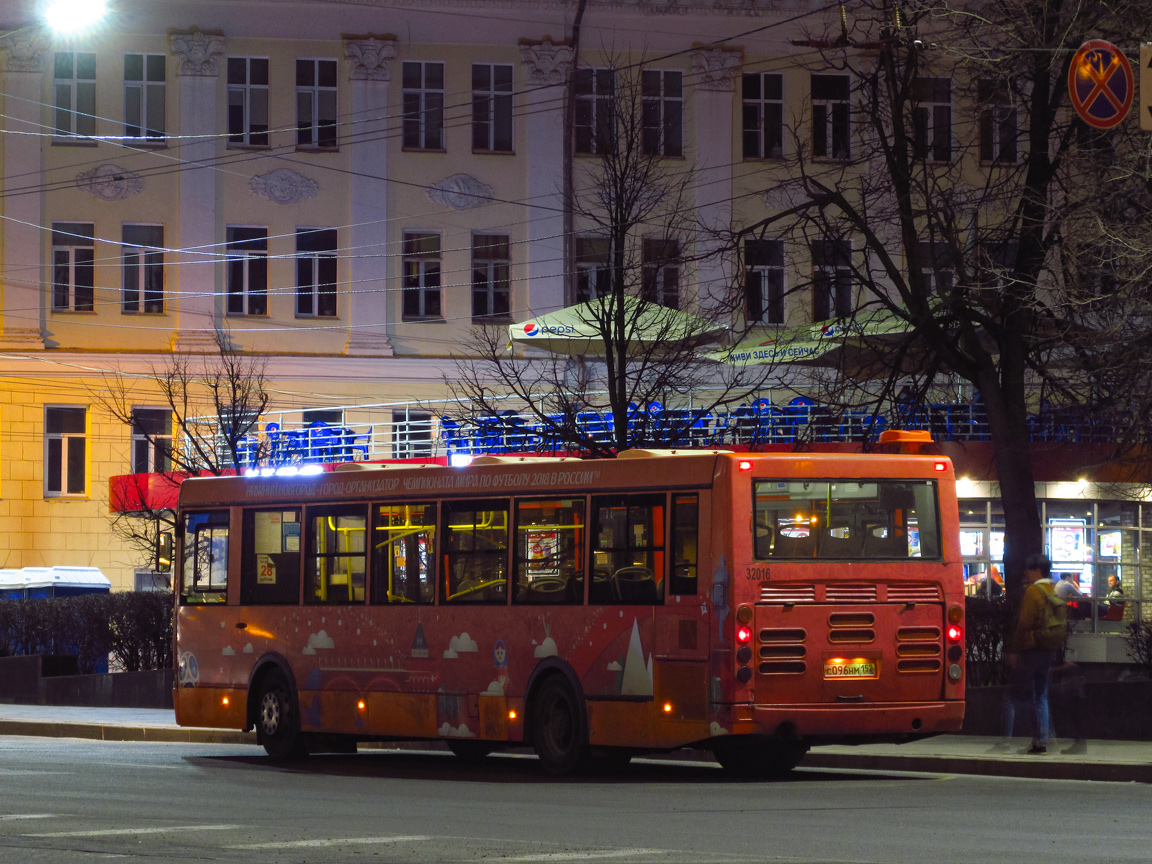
pixel 586 856
pixel 113 832
pixel 342 841
pixel 15 816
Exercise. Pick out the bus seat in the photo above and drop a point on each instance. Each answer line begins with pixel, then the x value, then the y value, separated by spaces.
pixel 602 590
pixel 547 590
pixel 635 585
pixel 793 547
pixel 839 547
pixel 885 547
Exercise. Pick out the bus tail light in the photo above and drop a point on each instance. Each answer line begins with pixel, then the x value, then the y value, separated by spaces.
pixel 744 465
pixel 940 466
pixel 743 635
pixel 954 633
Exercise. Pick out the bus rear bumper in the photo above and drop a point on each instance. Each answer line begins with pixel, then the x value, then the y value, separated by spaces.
pixel 838 722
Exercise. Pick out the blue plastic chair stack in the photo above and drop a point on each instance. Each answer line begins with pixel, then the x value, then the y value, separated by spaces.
pixel 323 445
pixel 454 438
pixel 356 447
pixel 272 442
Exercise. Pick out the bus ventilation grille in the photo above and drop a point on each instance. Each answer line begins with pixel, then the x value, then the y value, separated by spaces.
pixel 787 593
pixel 913 594
pixel 849 592
pixel 854 635
pixel 782 652
pixel 783 667
pixel 918 665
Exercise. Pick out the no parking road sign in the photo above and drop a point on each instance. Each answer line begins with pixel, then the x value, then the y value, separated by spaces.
pixel 1100 84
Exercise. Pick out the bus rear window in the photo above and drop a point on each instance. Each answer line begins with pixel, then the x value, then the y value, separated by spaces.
pixel 204 576
pixel 846 519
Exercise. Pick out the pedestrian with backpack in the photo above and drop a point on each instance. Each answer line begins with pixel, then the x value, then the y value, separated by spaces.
pixel 1040 632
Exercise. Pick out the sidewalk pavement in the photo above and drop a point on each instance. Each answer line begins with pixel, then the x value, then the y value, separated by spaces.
pixel 1118 761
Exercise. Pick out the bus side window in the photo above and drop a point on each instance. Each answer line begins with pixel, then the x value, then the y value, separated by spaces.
pixel 404 553
pixel 337 554
pixel 204 570
pixel 549 550
pixel 628 550
pixel 270 559
pixel 476 548
pixel 685 539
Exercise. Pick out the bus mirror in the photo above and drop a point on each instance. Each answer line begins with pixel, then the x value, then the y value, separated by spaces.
pixel 164 552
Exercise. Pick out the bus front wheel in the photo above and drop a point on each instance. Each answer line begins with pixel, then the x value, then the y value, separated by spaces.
pixel 558 727
pixel 758 759
pixel 277 721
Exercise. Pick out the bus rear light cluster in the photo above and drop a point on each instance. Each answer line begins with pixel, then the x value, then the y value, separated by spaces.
pixel 743 637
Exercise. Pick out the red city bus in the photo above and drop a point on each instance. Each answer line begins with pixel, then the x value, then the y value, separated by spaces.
pixel 751 604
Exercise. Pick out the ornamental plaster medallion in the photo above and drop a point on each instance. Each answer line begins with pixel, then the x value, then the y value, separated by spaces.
pixel 197 54
pixel 546 63
pixel 370 59
pixel 110 183
pixel 22 52
pixel 716 69
pixel 283 186
pixel 460 192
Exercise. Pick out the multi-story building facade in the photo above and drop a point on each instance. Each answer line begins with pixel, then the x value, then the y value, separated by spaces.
pixel 348 190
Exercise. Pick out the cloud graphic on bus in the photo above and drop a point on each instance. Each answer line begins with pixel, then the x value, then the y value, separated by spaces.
pixel 319 641
pixel 462 644
pixel 450 731
pixel 248 649
pixel 229 651
pixel 547 648
pixel 716 729
pixel 495 689
pixel 615 666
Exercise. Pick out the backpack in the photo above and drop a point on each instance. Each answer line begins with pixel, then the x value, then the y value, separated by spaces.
pixel 1052 630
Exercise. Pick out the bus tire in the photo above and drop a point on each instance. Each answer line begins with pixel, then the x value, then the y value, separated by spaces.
pixel 757 759
pixel 468 750
pixel 278 719
pixel 558 734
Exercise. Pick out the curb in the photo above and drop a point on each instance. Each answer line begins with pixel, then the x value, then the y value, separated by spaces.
pixel 1034 768
pixel 112 732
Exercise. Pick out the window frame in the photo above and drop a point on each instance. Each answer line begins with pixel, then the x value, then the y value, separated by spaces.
pixel 246 263
pixel 661 265
pixel 419 269
pixel 422 107
pixel 764 112
pixel 771 277
pixel 932 119
pixel 146 87
pixel 145 263
pixel 321 133
pixel 491 278
pixel 78 118
pixel 661 114
pixel 831 118
pixel 595 110
pixel 493 591
pixel 318 265
pixel 66 469
pixel 68 239
pixel 492 109
pixel 832 281
pixel 214 522
pixel 151 449
pixel 624 557
pixel 311 571
pixel 251 94
pixel 564 586
pixel 997 113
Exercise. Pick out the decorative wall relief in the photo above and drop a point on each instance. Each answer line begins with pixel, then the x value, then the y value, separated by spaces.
pixel 460 192
pixel 283 186
pixel 23 52
pixel 370 59
pixel 197 53
pixel 716 69
pixel 110 183
pixel 546 63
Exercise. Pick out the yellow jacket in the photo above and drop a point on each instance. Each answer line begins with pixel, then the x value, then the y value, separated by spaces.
pixel 1031 615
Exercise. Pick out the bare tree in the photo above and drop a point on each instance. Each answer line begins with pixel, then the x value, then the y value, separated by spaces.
pixel 991 232
pixel 637 239
pixel 215 402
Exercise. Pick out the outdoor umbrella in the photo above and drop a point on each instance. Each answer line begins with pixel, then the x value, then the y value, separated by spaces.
pixel 578 329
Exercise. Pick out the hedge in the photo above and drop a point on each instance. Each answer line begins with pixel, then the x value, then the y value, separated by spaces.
pixel 133 628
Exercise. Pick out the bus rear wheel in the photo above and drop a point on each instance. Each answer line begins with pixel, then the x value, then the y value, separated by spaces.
pixel 558 735
pixel 757 759
pixel 277 720
pixel 470 751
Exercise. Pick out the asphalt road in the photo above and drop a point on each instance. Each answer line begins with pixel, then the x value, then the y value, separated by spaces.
pixel 68 800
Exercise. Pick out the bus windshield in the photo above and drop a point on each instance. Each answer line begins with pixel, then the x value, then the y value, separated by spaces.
pixel 863 519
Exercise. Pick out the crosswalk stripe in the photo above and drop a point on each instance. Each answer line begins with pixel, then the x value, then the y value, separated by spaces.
pixel 335 841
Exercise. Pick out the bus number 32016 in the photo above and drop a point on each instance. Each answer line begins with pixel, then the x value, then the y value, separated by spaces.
pixel 757 574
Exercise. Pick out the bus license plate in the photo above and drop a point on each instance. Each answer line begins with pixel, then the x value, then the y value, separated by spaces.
pixel 851 669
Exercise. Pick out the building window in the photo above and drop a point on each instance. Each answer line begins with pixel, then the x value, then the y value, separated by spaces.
pixel 144 76
pixel 248 101
pixel 830 117
pixel 316 103
pixel 74 86
pixel 662 112
pixel 411 434
pixel 763 116
pixel 932 119
pixel 936 267
pixel 151 440
pixel 660 275
pixel 65 453
pixel 492 107
pixel 491 291
pixel 831 279
pixel 421 275
pixel 998 127
pixel 764 281
pixel 593 276
pixel 423 105
pixel 595 110
pixel 73 253
pixel 247 270
pixel 143 256
pixel 316 272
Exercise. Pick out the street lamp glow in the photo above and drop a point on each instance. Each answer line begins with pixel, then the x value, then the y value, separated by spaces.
pixel 68 17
